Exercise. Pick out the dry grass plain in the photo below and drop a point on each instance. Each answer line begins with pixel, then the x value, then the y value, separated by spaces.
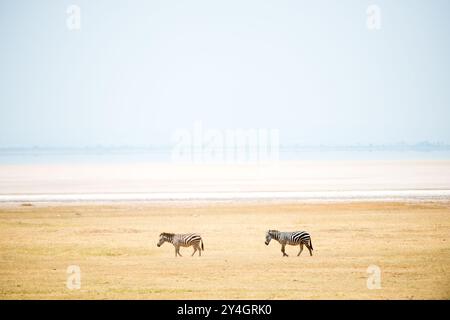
pixel 115 247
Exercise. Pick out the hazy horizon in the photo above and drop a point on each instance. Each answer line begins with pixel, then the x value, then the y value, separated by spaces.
pixel 135 73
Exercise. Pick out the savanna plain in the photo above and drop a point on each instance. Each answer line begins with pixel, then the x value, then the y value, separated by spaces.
pixel 114 245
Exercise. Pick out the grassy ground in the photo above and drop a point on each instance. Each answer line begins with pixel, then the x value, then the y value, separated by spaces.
pixel 115 247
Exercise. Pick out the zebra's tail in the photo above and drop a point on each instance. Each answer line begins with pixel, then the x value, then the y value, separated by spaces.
pixel 203 248
pixel 310 243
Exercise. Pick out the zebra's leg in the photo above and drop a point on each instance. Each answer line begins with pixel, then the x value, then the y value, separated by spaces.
pixel 178 251
pixel 283 250
pixel 195 250
pixel 309 248
pixel 301 249
pixel 199 251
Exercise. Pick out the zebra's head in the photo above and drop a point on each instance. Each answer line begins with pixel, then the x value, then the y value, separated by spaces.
pixel 270 235
pixel 163 237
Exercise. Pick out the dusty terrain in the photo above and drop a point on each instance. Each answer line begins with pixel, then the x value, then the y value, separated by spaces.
pixel 115 247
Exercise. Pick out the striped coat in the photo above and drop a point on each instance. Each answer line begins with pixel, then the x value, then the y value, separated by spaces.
pixel 182 240
pixel 296 238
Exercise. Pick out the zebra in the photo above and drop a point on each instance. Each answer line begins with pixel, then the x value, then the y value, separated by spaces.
pixel 182 240
pixel 292 238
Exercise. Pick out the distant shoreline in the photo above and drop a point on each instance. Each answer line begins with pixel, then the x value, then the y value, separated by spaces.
pixel 297 181
pixel 164 154
pixel 301 196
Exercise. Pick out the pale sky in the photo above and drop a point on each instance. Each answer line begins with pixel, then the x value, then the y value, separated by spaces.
pixel 137 71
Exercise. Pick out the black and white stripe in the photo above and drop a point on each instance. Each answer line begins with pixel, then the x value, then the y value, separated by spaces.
pixel 182 240
pixel 291 238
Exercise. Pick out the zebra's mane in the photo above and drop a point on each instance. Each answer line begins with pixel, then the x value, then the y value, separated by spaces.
pixel 273 231
pixel 167 235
